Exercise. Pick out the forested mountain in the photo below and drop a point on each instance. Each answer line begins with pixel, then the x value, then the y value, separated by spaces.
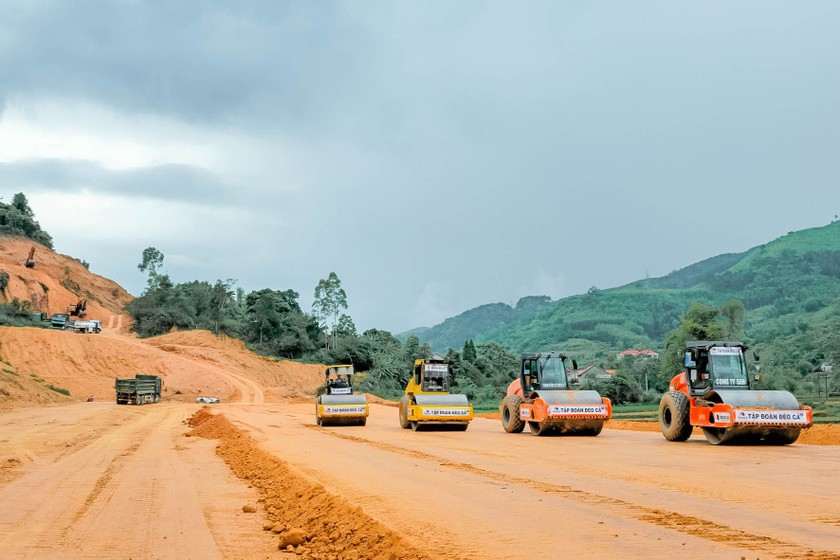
pixel 793 280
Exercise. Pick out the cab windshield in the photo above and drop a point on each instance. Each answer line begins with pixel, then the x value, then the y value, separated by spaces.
pixel 553 373
pixel 727 367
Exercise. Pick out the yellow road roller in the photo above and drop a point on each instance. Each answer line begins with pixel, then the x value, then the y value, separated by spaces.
pixel 338 404
pixel 428 403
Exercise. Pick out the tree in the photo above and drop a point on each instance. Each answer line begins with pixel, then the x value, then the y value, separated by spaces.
pixel 698 323
pixel 221 295
pixel 151 261
pixel 330 301
pixel 19 201
pixel 469 352
pixel 411 349
pixel 733 314
pixel 345 326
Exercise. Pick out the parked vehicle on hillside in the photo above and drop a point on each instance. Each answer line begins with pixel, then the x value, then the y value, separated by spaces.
pixel 59 320
pixel 92 326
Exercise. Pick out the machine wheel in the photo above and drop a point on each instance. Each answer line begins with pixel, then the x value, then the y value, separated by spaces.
pixel 673 416
pixel 718 436
pixel 138 400
pixel 511 421
pixel 784 436
pixel 404 402
pixel 591 431
pixel 540 428
pixel 747 436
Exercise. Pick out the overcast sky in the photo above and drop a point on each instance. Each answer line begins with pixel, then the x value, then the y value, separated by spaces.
pixel 435 155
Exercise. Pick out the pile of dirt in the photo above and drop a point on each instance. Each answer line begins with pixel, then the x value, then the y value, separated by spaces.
pixel 818 434
pixel 190 363
pixel 821 434
pixel 308 520
pixel 18 387
pixel 281 378
pixel 58 281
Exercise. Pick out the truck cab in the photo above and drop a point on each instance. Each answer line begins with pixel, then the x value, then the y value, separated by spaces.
pixel 715 365
pixel 59 320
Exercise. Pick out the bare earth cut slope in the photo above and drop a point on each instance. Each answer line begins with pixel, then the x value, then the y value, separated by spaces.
pixel 57 281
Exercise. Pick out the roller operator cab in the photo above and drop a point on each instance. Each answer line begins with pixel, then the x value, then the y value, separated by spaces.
pixel 428 403
pixel 546 397
pixel 715 394
pixel 338 404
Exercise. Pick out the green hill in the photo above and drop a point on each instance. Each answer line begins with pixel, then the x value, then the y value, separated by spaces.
pixel 788 286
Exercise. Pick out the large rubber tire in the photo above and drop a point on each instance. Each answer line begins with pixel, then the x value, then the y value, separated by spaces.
pixel 511 421
pixel 673 416
pixel 404 402
pixel 138 400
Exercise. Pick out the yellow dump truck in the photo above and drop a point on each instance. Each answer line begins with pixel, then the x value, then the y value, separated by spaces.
pixel 338 404
pixel 428 402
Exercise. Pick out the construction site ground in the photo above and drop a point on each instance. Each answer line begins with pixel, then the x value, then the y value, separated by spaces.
pixel 97 480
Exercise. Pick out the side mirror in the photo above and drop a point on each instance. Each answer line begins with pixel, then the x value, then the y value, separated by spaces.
pixel 574 364
pixel 755 356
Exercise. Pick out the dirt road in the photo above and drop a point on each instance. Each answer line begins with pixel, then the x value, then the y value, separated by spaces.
pixel 98 480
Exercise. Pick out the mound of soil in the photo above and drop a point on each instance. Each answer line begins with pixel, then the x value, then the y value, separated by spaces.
pixel 190 363
pixel 17 387
pixel 308 520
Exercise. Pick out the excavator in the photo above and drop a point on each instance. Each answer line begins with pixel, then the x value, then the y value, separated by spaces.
pixel 427 401
pixel 714 393
pixel 30 260
pixel 338 404
pixel 79 309
pixel 544 397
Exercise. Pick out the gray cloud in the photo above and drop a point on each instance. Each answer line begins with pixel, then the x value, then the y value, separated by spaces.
pixel 442 156
pixel 174 182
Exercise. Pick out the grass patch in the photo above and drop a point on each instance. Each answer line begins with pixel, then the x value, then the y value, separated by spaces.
pixel 59 390
pixel 486 408
pixel 10 372
pixel 636 412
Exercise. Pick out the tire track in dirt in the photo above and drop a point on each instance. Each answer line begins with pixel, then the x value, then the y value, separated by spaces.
pixel 697 527
pixel 68 478
pixel 102 482
pixel 250 391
